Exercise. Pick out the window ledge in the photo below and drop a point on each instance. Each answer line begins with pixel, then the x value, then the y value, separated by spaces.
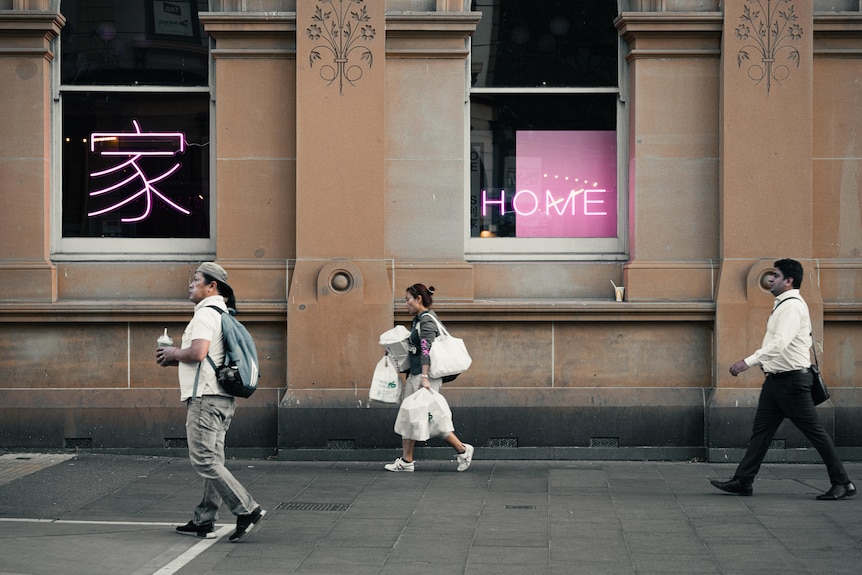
pixel 122 310
pixel 571 310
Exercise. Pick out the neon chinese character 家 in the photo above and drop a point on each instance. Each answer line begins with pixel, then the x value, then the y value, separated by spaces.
pixel 135 146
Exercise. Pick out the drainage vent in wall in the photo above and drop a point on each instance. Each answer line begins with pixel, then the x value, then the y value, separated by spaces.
pixel 175 442
pixel 520 506
pixel 340 444
pixel 604 442
pixel 78 442
pixel 313 506
pixel 778 444
pixel 502 442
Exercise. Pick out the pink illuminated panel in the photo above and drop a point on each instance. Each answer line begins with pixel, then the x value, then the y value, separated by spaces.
pixel 565 185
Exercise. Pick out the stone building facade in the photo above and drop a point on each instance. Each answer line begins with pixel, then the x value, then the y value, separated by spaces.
pixel 332 153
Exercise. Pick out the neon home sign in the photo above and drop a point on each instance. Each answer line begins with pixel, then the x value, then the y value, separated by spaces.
pixel 135 146
pixel 566 185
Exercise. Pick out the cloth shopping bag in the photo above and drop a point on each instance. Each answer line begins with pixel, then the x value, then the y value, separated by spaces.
pixel 386 383
pixel 423 415
pixel 397 346
pixel 449 356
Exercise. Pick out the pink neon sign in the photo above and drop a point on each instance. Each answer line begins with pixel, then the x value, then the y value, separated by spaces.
pixel 565 185
pixel 136 145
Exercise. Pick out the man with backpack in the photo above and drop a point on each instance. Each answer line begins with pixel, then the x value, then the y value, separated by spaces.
pixel 210 407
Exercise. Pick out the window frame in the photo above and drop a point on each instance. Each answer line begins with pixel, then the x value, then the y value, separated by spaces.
pixel 126 249
pixel 553 249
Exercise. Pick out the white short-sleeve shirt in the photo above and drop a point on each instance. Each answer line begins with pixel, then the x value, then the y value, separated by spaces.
pixel 205 324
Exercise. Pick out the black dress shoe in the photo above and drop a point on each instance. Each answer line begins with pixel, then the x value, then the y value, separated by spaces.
pixel 837 492
pixel 733 486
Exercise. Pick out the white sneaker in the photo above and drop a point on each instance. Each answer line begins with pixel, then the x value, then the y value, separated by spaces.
pixel 466 458
pixel 400 465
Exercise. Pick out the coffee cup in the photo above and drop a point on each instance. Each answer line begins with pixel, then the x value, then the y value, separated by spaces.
pixel 619 293
pixel 165 339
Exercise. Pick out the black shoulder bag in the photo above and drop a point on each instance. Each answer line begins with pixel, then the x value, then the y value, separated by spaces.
pixel 819 391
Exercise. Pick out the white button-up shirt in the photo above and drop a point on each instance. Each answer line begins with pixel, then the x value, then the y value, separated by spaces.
pixel 787 341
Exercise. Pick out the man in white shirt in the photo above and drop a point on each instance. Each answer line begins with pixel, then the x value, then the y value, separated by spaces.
pixel 210 407
pixel 786 393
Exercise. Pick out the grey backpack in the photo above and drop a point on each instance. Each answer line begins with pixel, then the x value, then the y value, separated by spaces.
pixel 240 372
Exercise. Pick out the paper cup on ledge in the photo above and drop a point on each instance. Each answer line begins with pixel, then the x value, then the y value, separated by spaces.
pixel 619 293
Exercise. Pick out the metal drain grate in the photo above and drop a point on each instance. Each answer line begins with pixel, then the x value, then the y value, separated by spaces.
pixel 175 442
pixel 520 506
pixel 604 442
pixel 340 444
pixel 503 442
pixel 313 506
pixel 78 442
pixel 778 444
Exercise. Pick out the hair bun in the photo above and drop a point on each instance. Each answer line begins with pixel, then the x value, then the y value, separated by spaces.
pixel 431 289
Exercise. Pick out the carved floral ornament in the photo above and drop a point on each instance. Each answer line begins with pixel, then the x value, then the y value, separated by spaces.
pixel 343 29
pixel 769 29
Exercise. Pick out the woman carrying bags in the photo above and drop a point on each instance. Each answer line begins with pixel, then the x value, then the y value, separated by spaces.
pixel 424 329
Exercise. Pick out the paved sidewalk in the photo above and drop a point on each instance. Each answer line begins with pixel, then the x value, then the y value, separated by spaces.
pixel 114 514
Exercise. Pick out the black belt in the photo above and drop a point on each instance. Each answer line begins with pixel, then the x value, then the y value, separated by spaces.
pixel 784 374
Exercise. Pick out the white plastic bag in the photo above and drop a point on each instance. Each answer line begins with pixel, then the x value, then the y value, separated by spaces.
pixel 423 415
pixel 386 383
pixel 395 342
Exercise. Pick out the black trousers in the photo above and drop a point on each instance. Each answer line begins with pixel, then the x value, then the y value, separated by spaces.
pixel 788 396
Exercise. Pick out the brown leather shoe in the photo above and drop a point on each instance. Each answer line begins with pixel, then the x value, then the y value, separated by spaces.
pixel 733 486
pixel 837 492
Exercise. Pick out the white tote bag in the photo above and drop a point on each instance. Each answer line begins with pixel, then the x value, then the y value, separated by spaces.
pixel 448 354
pixel 386 383
pixel 423 415
pixel 395 342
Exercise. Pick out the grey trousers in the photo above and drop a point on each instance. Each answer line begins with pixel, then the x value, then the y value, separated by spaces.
pixel 207 421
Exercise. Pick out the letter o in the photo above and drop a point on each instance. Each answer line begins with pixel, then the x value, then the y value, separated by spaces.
pixel 515 203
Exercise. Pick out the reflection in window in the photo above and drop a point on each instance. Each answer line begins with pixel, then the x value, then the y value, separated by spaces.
pixel 531 43
pixel 133 42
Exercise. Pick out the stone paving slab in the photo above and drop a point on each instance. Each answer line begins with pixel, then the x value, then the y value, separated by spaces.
pixel 16 465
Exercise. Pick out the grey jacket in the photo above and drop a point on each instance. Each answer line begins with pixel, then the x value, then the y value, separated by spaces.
pixel 422 334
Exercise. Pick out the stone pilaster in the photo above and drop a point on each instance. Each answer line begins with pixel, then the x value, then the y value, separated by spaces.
pixel 340 297
pixel 766 175
pixel 254 60
pixel 26 272
pixel 766 190
pixel 672 94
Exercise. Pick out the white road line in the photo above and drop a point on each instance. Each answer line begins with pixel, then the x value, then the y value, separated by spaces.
pixel 77 522
pixel 189 555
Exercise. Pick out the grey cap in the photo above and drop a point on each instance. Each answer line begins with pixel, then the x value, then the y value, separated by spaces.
pixel 213 270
